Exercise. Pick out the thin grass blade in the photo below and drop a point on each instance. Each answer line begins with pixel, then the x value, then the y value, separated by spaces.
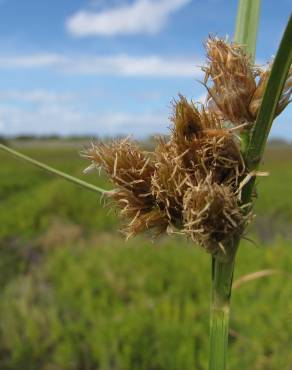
pixel 272 94
pixel 256 275
pixel 54 171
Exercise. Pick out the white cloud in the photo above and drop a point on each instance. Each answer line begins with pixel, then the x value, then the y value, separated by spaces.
pixel 66 119
pixel 138 124
pixel 30 61
pixel 117 65
pixel 35 96
pixel 125 65
pixel 139 17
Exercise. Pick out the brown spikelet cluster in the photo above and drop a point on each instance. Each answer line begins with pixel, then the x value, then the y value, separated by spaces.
pixel 212 215
pixel 259 92
pixel 237 86
pixel 197 177
pixel 233 79
pixel 131 170
pixel 191 183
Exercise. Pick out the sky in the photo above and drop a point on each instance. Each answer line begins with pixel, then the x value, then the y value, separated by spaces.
pixel 113 67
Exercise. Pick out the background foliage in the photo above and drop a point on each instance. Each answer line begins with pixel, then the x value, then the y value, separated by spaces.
pixel 75 296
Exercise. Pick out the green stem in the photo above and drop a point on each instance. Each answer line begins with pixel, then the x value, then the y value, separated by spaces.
pixel 52 170
pixel 222 276
pixel 222 271
pixel 247 25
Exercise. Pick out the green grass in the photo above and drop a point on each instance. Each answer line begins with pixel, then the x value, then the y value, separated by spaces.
pixel 140 307
pixel 75 296
pixel 31 199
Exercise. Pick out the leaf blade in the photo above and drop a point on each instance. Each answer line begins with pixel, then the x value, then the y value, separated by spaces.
pixel 272 94
pixel 54 171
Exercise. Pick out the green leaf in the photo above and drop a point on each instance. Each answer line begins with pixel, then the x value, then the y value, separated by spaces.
pixel 272 94
pixel 53 171
pixel 247 25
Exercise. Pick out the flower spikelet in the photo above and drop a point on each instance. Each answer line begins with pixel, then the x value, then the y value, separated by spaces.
pixel 212 149
pixel 130 169
pixel 257 97
pixel 126 165
pixel 186 119
pixel 233 79
pixel 169 181
pixel 212 216
pixel 193 180
pixel 154 220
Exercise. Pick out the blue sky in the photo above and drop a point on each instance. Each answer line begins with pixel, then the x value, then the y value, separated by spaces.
pixel 108 67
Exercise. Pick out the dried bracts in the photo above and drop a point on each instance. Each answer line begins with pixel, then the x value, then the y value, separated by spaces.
pixel 237 86
pixel 131 170
pixel 192 182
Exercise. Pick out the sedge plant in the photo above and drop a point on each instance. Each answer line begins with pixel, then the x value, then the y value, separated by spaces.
pixel 200 180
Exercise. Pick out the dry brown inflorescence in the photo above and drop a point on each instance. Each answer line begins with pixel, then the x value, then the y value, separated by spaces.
pixel 191 184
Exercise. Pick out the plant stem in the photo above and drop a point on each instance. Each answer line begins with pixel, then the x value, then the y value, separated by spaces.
pixel 247 25
pixel 52 170
pixel 222 271
pixel 222 276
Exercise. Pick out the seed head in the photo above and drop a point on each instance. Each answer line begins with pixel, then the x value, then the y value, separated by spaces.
pixel 212 216
pixel 126 165
pixel 169 181
pixel 131 170
pixel 186 119
pixel 257 97
pixel 193 180
pixel 233 78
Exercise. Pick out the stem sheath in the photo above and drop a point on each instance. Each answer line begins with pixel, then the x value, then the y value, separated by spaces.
pixel 247 25
pixel 222 276
pixel 222 271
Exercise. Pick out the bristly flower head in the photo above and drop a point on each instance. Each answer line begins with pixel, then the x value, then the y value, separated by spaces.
pixel 131 170
pixel 212 216
pixel 237 85
pixel 191 183
pixel 259 92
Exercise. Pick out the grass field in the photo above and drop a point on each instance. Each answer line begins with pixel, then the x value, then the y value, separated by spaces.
pixel 75 296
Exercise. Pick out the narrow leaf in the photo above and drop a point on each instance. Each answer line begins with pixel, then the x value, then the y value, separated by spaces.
pixel 254 276
pixel 52 170
pixel 272 94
